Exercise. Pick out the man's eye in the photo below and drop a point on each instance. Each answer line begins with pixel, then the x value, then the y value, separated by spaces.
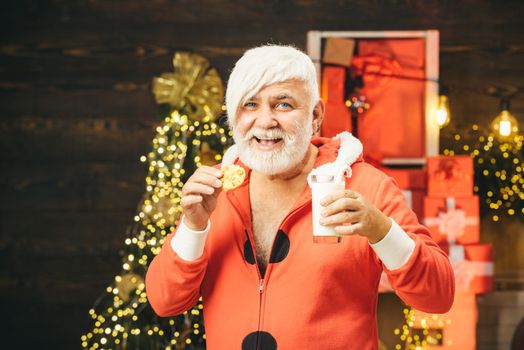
pixel 284 105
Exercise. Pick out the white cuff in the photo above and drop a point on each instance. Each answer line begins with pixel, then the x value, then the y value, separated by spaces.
pixel 189 244
pixel 395 249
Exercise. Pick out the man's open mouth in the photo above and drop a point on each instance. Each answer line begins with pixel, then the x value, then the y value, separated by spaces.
pixel 267 141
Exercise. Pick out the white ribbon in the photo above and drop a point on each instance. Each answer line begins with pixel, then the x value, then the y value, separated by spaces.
pixel 452 222
pixel 466 270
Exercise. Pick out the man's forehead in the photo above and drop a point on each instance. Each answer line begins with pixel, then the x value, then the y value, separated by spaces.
pixel 289 88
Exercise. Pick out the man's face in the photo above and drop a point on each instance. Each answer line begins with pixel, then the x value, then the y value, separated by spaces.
pixel 274 127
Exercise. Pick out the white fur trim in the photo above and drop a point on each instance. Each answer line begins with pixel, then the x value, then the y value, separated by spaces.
pixel 230 156
pixel 349 151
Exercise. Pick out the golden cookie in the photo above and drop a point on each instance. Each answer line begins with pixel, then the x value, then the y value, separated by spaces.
pixel 233 176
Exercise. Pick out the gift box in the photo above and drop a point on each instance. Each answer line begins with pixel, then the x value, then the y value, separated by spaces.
pixel 450 176
pixel 336 115
pixel 473 266
pixel 412 182
pixel 339 51
pixel 456 329
pixel 400 73
pixel 453 220
pixel 393 75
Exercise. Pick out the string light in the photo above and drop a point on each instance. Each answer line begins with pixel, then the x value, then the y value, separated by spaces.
pixel 179 146
pixel 421 330
pixel 499 169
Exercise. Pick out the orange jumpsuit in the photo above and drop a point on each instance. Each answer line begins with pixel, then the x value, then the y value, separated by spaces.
pixel 313 296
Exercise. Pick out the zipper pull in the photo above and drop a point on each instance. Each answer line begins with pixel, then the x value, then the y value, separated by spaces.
pixel 261 287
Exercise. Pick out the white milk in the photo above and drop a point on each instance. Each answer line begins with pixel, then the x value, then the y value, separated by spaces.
pixel 321 186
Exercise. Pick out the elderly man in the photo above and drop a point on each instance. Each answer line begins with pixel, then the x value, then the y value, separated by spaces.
pixel 249 251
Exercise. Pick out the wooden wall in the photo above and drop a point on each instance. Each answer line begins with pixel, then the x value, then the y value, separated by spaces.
pixel 77 112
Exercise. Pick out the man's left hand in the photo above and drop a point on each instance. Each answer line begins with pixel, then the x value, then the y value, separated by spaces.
pixel 351 213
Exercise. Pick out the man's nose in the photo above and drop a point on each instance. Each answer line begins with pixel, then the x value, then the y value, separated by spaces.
pixel 266 118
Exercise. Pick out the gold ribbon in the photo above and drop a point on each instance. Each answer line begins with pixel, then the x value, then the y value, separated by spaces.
pixel 194 88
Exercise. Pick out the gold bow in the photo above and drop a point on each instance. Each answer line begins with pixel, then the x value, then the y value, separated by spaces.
pixel 194 89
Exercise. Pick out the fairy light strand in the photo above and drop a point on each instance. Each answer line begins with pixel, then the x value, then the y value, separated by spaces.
pixel 122 317
pixel 499 169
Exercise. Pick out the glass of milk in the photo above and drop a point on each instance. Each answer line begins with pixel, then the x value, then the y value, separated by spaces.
pixel 321 186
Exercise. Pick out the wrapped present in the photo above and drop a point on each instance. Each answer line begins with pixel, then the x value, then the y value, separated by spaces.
pixel 472 264
pixel 450 176
pixel 339 51
pixel 393 73
pixel 452 220
pixel 336 115
pixel 456 329
pixel 412 182
pixel 473 267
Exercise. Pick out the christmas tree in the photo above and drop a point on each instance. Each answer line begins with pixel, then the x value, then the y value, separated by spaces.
pixel 190 135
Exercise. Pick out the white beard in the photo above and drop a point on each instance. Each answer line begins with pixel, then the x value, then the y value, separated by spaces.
pixel 279 161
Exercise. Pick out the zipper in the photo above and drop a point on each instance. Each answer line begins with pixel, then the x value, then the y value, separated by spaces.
pixel 269 266
pixel 260 292
pixel 268 271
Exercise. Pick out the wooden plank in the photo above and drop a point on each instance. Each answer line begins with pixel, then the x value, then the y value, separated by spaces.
pixel 76 140
pixel 65 233
pixel 22 100
pixel 88 225
pixel 73 186
pixel 133 72
pixel 144 29
pixel 43 327
pixel 84 67
pixel 46 287
pixel 503 299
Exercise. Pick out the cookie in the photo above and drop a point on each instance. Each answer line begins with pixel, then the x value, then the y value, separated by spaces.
pixel 234 175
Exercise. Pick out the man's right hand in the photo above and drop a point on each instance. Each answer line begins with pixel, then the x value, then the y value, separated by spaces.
pixel 199 196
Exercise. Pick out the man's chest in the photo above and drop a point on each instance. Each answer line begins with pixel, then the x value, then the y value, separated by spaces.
pixel 266 218
pixel 268 210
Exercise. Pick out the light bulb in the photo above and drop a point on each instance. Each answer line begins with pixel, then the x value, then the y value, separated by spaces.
pixel 505 124
pixel 442 115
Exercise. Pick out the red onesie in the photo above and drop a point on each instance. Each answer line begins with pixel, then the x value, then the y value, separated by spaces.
pixel 313 296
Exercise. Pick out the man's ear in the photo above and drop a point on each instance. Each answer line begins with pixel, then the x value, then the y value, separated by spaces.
pixel 318 116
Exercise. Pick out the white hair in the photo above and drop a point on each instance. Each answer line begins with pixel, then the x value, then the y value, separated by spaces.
pixel 266 65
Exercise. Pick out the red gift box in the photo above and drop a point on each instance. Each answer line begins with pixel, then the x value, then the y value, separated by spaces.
pixel 473 266
pixel 412 182
pixel 336 115
pixel 452 219
pixel 457 327
pixel 393 76
pixel 450 176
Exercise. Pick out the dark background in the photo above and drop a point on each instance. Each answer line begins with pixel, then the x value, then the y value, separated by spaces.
pixel 77 112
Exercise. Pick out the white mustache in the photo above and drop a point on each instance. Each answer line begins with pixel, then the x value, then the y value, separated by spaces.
pixel 275 133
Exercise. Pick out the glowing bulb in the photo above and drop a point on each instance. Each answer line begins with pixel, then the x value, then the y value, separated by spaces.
pixel 442 115
pixel 505 124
